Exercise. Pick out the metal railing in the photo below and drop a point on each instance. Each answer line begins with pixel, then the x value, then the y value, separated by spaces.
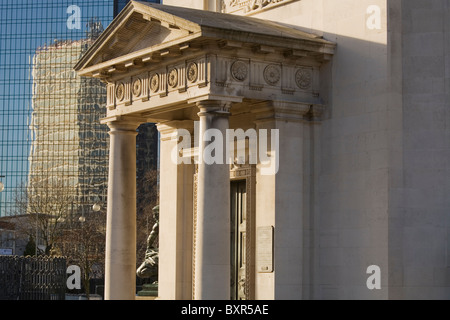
pixel 32 278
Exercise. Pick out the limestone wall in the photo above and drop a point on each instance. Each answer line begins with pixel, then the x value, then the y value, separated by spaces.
pixel 420 201
pixel 384 177
pixel 380 192
pixel 349 228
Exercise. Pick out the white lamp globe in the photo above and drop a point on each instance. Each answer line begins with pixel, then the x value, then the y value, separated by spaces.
pixel 96 207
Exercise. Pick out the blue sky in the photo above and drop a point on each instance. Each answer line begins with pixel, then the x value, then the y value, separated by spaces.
pixel 26 25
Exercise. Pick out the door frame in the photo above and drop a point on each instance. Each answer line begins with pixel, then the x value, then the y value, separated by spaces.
pixel 245 172
pixel 248 173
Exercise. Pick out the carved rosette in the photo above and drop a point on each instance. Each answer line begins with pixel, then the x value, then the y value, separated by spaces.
pixel 120 92
pixel 239 70
pixel 272 75
pixel 172 78
pixel 303 78
pixel 192 72
pixel 137 87
pixel 154 82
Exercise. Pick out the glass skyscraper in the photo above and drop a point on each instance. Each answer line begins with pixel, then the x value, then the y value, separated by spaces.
pixel 49 117
pixel 69 147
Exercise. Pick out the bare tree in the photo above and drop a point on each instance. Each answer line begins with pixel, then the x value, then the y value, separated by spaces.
pixel 52 213
pixel 46 206
pixel 83 244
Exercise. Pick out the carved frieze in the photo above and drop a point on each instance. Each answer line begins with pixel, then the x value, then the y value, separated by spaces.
pixel 259 75
pixel 259 78
pixel 110 95
pixel 120 92
pixel 154 82
pixel 137 87
pixel 192 72
pixel 239 70
pixel 272 74
pixel 249 6
pixel 159 81
pixel 172 78
pixel 303 78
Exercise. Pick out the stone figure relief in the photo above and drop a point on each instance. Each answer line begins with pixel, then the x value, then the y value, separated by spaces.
pixel 149 268
pixel 247 5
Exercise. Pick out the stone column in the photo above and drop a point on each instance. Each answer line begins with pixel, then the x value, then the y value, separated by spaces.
pixel 175 222
pixel 120 260
pixel 212 242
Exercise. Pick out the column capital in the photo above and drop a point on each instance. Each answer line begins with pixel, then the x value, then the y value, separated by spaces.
pixel 123 123
pixel 168 128
pixel 280 110
pixel 214 107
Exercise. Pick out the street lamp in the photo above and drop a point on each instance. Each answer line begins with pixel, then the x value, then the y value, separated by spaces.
pixel 96 207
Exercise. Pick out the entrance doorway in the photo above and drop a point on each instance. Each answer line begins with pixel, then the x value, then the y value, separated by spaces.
pixel 238 239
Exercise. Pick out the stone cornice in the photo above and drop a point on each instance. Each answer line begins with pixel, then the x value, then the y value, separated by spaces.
pixel 165 52
pixel 189 35
pixel 184 56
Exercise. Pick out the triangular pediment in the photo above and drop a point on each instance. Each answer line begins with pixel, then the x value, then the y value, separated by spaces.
pixel 137 34
pixel 144 31
pixel 138 27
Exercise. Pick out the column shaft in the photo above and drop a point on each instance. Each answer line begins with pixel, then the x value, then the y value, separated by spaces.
pixel 212 264
pixel 176 221
pixel 120 260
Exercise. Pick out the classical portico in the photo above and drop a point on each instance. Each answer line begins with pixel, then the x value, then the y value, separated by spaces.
pixel 196 71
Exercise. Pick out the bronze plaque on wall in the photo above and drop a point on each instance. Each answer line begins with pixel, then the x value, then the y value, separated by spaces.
pixel 264 249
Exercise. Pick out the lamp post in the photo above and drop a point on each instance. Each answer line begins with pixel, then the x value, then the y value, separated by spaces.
pixel 36 240
pixel 37 233
pixel 2 187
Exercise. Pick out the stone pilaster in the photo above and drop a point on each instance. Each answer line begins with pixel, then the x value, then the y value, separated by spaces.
pixel 281 198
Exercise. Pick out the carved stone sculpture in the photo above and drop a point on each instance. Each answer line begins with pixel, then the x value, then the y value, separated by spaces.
pixel 149 268
pixel 246 5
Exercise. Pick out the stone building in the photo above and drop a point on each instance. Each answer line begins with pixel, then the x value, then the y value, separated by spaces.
pixel 352 99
